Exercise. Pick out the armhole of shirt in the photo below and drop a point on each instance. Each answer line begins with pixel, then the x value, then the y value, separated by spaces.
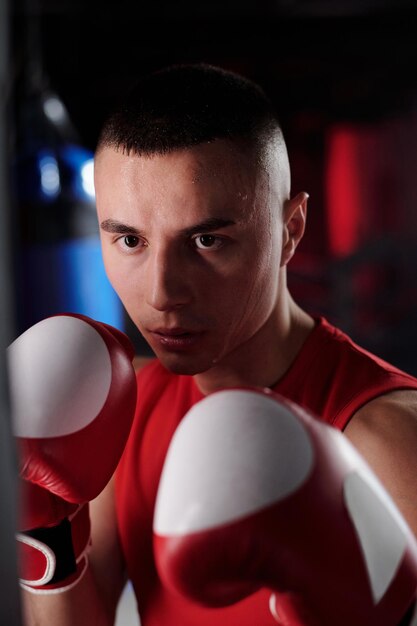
pixel 394 382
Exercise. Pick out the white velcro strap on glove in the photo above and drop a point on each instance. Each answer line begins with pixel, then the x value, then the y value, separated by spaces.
pixel 54 559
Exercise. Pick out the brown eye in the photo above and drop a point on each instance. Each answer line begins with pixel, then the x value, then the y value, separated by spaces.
pixel 131 241
pixel 206 241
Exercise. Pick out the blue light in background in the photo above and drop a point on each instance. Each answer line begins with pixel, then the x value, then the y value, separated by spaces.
pixel 68 277
pixel 50 178
pixel 61 268
pixel 87 177
pixel 78 164
pixel 54 110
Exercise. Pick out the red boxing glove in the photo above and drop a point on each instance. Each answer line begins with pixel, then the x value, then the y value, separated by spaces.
pixel 255 492
pixel 73 396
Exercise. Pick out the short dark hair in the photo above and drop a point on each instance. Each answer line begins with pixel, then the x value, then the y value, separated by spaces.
pixel 185 105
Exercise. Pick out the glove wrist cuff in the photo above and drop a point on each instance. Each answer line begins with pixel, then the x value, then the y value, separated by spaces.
pixel 54 558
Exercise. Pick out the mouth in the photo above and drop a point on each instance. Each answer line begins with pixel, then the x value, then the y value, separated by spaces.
pixel 176 339
pixel 171 332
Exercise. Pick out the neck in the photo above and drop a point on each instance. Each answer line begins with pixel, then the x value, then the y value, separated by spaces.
pixel 265 357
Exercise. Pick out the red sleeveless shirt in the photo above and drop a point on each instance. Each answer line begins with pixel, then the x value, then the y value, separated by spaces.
pixel 331 376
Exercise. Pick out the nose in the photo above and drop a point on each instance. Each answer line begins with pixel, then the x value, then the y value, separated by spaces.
pixel 167 282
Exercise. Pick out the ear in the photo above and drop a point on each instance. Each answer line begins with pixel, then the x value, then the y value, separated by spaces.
pixel 294 222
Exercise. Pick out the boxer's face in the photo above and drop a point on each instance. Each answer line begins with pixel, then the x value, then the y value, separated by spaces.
pixel 192 243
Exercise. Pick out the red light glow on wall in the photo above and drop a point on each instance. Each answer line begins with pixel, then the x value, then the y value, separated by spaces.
pixel 343 196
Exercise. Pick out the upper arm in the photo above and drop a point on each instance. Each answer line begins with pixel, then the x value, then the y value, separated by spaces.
pixel 385 432
pixel 106 558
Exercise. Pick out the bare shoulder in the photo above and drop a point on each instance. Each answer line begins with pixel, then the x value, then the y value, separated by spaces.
pixel 385 433
pixel 393 414
pixel 106 557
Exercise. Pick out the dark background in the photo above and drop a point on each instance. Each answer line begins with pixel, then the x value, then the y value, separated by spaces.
pixel 342 75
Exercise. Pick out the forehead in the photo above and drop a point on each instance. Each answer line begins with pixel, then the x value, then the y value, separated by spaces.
pixel 213 161
pixel 202 180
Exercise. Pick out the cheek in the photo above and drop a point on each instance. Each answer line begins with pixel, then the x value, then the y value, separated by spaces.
pixel 258 296
pixel 260 280
pixel 110 265
pixel 248 299
pixel 263 290
pixel 119 277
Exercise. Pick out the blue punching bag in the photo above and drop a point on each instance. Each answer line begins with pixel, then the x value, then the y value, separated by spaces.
pixel 59 262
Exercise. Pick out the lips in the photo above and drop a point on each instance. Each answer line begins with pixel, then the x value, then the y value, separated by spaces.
pixel 176 339
pixel 172 332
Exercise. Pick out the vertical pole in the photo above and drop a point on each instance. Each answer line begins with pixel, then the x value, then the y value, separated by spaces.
pixel 10 613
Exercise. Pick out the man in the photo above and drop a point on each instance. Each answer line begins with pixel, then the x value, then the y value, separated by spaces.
pixel 198 225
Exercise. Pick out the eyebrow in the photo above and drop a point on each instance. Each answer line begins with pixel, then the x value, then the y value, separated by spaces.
pixel 212 223
pixel 207 226
pixel 113 226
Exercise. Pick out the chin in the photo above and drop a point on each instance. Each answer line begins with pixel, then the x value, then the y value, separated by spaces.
pixel 183 366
